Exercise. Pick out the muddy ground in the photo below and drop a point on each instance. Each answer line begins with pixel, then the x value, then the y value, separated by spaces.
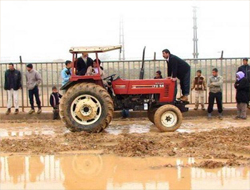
pixel 228 140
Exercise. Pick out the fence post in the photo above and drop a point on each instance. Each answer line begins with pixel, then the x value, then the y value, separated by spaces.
pixel 21 62
pixel 154 56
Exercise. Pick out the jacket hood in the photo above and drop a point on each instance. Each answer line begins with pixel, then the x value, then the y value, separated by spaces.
pixel 240 75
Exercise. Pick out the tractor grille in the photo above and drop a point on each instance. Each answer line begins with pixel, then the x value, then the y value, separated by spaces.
pixel 166 91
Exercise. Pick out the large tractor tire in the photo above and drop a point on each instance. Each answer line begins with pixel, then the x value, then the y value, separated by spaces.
pixel 168 118
pixel 151 114
pixel 86 107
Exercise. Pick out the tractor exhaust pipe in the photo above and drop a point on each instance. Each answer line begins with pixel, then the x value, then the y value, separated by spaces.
pixel 142 66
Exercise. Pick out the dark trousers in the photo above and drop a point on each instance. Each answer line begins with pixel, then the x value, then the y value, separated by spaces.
pixel 185 83
pixel 34 92
pixel 214 96
pixel 56 112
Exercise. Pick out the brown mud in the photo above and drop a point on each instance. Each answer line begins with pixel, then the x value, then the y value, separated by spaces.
pixel 131 138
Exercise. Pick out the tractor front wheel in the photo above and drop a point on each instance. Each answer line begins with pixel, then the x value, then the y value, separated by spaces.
pixel 86 107
pixel 168 118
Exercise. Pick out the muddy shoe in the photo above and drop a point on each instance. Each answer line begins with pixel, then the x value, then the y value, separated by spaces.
pixel 220 116
pixel 184 98
pixel 237 117
pixel 209 116
pixel 39 111
pixel 195 108
pixel 8 111
pixel 16 111
pixel 31 111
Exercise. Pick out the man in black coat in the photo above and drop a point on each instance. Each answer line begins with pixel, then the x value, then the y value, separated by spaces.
pixel 83 63
pixel 178 68
pixel 245 68
pixel 12 83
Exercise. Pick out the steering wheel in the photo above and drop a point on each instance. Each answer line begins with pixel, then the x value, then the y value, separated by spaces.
pixel 111 77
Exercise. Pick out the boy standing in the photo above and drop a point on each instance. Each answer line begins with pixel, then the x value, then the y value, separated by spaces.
pixel 199 85
pixel 66 72
pixel 54 102
pixel 242 88
pixel 215 92
pixel 33 79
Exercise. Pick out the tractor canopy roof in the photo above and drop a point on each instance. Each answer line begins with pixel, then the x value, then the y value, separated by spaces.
pixel 93 49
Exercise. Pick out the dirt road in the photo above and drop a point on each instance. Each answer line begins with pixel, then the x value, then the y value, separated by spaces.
pixel 129 154
pixel 197 138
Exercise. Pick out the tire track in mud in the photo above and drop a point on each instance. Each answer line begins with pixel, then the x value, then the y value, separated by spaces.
pixel 232 144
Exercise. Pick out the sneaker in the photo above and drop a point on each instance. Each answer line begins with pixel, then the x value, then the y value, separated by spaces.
pixel 204 109
pixel 16 111
pixel 237 117
pixel 220 116
pixel 39 111
pixel 244 118
pixel 31 111
pixel 209 116
pixel 8 111
pixel 195 108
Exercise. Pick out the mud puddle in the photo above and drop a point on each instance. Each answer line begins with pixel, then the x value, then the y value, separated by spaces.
pixel 95 171
pixel 117 127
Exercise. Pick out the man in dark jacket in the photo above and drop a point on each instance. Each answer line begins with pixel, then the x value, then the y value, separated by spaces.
pixel 83 63
pixel 178 68
pixel 12 83
pixel 245 68
pixel 242 88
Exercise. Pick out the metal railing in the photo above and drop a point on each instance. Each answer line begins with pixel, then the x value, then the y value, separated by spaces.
pixel 50 72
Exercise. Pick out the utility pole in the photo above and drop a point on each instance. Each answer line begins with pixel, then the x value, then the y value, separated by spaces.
pixel 195 38
pixel 121 39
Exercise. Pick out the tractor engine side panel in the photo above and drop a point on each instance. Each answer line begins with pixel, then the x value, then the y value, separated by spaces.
pixel 164 87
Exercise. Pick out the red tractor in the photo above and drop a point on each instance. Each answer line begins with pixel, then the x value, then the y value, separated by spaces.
pixel 88 104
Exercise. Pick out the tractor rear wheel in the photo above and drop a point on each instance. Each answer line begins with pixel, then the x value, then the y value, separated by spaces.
pixel 151 114
pixel 86 107
pixel 168 118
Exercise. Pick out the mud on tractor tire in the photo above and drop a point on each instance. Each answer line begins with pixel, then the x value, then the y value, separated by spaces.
pixel 151 114
pixel 168 118
pixel 86 107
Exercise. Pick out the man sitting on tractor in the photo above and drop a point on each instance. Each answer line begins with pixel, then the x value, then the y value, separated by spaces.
pixel 178 68
pixel 83 63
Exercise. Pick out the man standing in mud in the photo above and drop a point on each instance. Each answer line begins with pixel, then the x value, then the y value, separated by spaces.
pixel 215 93
pixel 178 68
pixel 245 68
pixel 12 83
pixel 33 79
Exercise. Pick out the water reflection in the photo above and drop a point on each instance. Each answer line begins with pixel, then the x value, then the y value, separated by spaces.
pixel 93 171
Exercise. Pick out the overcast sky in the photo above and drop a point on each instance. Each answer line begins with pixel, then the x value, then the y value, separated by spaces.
pixel 45 30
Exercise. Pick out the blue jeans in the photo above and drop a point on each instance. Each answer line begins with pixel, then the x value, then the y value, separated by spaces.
pixel 34 92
